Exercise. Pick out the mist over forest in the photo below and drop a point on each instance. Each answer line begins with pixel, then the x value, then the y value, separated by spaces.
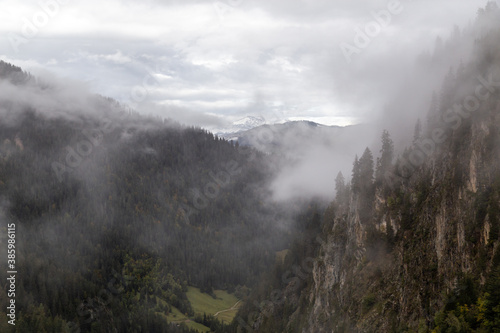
pixel 230 171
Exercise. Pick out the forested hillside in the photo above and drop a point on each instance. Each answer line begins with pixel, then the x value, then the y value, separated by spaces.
pixel 411 243
pixel 117 214
pixel 130 223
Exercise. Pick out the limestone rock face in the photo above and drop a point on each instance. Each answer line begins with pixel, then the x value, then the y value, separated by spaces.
pixel 355 290
pixel 394 270
pixel 401 251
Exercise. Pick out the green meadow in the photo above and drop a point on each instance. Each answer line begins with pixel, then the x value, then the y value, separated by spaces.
pixel 224 307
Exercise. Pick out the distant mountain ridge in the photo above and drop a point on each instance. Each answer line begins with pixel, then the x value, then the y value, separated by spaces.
pixel 241 125
pixel 251 129
pixel 288 136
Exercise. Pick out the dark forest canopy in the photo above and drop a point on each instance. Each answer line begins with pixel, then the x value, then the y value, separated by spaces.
pixel 118 215
pixel 110 192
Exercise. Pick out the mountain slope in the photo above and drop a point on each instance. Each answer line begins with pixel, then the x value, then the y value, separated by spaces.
pixel 108 203
pixel 410 245
pixel 241 125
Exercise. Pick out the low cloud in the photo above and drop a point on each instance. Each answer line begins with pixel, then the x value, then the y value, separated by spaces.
pixel 288 50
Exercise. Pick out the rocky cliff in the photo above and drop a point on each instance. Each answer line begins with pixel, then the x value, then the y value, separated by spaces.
pixel 415 248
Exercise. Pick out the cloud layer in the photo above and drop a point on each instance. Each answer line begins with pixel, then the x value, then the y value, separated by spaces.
pixel 208 63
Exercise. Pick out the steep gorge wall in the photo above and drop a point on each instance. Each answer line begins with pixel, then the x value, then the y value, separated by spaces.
pixel 367 281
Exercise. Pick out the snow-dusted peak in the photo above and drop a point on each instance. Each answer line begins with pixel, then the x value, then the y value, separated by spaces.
pixel 243 124
pixel 249 123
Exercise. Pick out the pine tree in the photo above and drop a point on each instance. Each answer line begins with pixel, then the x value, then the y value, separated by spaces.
pixel 366 186
pixel 339 187
pixel 417 133
pixel 366 169
pixel 433 113
pixel 384 163
pixel 355 175
pixel 447 91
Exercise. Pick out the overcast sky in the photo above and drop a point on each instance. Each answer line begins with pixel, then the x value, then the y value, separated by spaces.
pixel 212 62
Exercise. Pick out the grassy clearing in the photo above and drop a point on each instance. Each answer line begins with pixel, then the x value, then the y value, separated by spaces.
pixel 177 317
pixel 228 316
pixel 197 326
pixel 280 255
pixel 204 303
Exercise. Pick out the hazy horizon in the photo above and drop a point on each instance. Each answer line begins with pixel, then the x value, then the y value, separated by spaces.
pixel 210 63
